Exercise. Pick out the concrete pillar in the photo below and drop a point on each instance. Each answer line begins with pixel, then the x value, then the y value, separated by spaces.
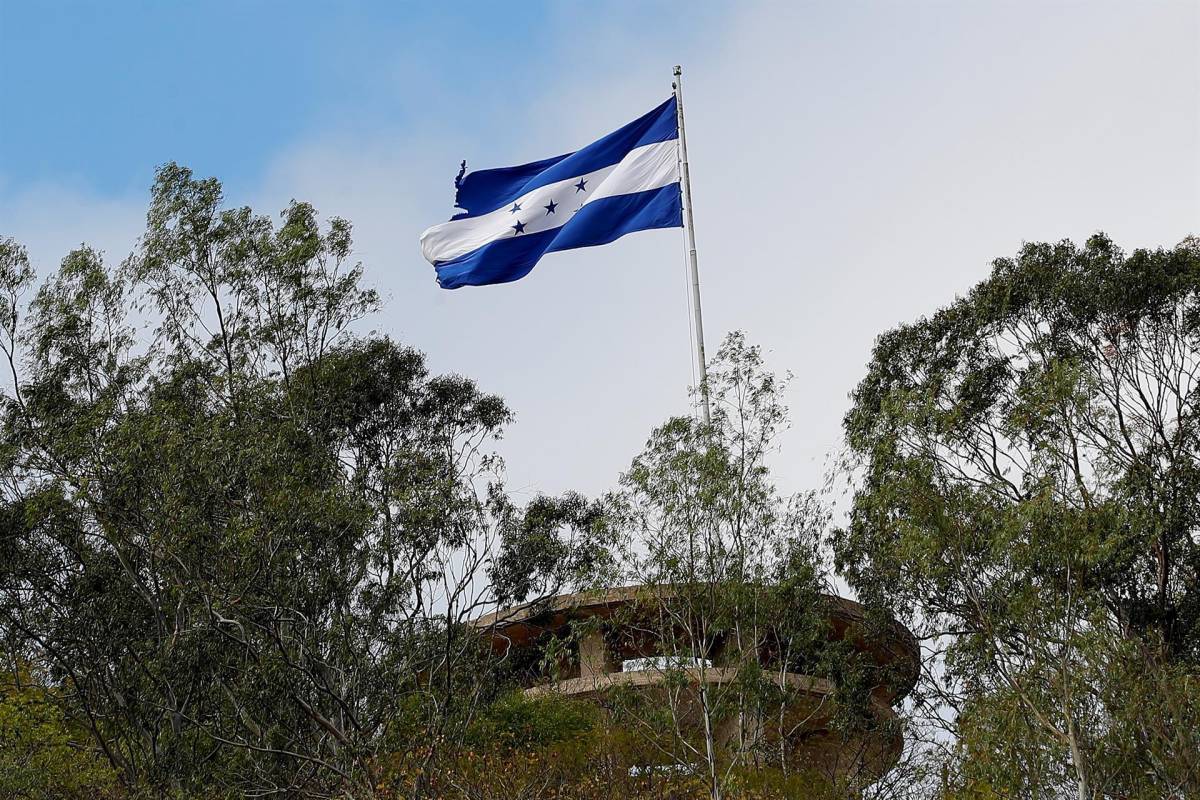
pixel 594 660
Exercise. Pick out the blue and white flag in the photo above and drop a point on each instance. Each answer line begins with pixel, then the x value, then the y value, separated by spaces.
pixel 628 181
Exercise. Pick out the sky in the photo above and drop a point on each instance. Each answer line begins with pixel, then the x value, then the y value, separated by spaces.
pixel 854 166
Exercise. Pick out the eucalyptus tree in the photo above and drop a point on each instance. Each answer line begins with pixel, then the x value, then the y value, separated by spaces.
pixel 1030 495
pixel 731 569
pixel 245 541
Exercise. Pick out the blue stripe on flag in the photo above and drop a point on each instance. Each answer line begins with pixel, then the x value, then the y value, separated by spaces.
pixel 599 222
pixel 487 190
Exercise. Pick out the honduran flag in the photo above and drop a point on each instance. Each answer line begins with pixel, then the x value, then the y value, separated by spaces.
pixel 628 181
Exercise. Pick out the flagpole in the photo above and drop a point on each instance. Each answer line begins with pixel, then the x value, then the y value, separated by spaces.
pixel 686 181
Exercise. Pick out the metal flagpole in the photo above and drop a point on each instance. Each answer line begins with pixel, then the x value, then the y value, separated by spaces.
pixel 677 85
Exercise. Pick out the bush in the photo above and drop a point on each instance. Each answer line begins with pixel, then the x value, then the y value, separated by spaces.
pixel 42 757
pixel 518 722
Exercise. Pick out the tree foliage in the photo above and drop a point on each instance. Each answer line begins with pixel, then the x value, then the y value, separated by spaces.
pixel 733 577
pixel 244 541
pixel 43 756
pixel 1030 492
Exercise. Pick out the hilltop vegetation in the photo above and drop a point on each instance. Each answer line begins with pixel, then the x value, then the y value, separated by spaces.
pixel 242 542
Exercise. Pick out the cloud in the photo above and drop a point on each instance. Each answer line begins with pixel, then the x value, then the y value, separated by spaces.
pixel 51 219
pixel 854 166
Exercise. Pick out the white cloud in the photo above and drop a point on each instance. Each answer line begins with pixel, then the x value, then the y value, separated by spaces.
pixel 51 219
pixel 854 166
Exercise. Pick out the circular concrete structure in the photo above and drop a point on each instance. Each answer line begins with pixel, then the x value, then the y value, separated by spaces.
pixel 610 651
